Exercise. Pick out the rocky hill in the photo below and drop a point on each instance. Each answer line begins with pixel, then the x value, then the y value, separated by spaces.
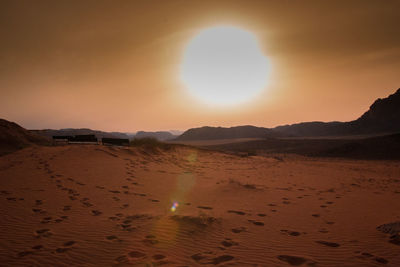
pixel 14 137
pixel 212 133
pixel 383 117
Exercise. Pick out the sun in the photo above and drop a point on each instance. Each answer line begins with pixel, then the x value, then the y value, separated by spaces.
pixel 224 66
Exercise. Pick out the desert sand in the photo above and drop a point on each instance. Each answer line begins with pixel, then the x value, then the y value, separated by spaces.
pixel 89 205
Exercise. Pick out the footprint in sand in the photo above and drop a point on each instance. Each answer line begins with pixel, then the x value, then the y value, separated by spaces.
pixel 221 259
pixel 4 192
pixel 369 256
pixel 150 240
pixel 204 207
pixel 43 233
pixel 204 258
pixel 112 237
pixel 328 244
pixel 62 250
pixel 229 243
pixel 236 212
pixel 86 204
pixel 69 243
pixel 292 260
pixel 136 254
pixel 126 225
pixel 58 220
pixel 96 212
pixel 39 211
pixel 122 259
pixel 158 257
pixel 381 260
pixel 46 220
pixel 24 253
pixel 291 233
pixel 239 230
pixel 256 222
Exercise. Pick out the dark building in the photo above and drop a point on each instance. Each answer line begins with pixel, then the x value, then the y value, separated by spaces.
pixel 91 138
pixel 63 137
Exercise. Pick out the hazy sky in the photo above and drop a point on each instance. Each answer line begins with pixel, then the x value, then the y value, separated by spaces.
pixel 115 65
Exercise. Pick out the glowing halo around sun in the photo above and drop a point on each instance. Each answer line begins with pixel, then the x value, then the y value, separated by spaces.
pixel 224 66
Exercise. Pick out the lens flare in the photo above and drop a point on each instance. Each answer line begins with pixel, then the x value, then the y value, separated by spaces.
pixel 174 206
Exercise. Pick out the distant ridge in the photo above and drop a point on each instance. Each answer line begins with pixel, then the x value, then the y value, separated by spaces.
pixel 211 133
pixel 14 137
pixel 383 117
pixel 161 135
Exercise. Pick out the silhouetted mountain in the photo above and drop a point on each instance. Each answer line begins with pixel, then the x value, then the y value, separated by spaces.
pixel 383 117
pixel 212 133
pixel 70 131
pixel 14 137
pixel 161 136
pixel 315 128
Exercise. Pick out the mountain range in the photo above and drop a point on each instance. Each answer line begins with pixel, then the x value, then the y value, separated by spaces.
pixel 383 117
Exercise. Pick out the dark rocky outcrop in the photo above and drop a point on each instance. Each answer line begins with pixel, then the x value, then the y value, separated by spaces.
pixel 14 137
pixel 212 133
pixel 383 117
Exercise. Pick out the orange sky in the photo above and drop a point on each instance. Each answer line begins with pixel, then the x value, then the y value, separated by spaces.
pixel 114 65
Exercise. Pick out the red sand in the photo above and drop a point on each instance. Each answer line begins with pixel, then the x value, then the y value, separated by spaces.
pixel 103 206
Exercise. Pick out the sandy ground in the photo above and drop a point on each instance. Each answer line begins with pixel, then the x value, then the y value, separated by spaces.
pixel 102 206
pixel 213 142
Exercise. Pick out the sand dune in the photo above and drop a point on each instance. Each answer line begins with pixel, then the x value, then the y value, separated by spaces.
pixel 104 206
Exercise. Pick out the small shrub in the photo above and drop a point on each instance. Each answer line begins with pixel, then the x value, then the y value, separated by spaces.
pixel 150 143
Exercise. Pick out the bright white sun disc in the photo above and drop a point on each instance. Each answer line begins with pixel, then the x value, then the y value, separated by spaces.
pixel 224 66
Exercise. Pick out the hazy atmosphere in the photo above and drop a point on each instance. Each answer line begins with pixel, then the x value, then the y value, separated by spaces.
pixel 116 66
pixel 199 133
